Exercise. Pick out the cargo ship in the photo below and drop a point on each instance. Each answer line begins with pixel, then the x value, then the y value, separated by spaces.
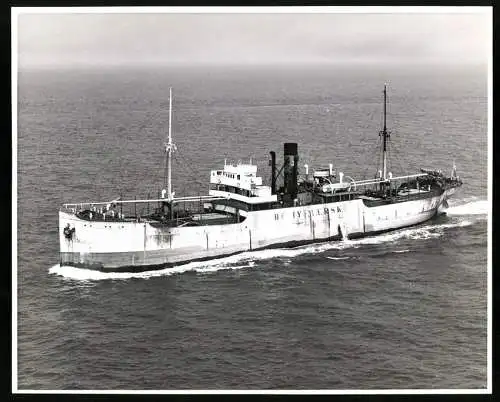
pixel 241 214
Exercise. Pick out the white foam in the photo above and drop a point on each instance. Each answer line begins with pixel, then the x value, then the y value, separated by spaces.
pixel 459 224
pixel 337 258
pixel 479 207
pixel 82 274
pixel 402 251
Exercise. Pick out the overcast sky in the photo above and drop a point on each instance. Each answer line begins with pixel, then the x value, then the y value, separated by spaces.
pixel 73 39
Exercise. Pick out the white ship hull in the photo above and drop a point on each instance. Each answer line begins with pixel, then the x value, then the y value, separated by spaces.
pixel 135 246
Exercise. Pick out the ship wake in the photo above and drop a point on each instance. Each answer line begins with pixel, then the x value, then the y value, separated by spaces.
pixel 475 207
pixel 83 274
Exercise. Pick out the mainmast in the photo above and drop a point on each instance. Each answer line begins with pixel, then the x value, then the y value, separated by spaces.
pixel 169 148
pixel 385 135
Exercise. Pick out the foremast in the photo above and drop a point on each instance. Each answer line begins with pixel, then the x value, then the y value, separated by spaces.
pixel 169 148
pixel 385 136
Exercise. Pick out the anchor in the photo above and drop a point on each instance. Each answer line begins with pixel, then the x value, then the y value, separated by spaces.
pixel 68 232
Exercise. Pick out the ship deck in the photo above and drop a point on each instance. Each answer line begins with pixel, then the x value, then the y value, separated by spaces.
pixel 194 219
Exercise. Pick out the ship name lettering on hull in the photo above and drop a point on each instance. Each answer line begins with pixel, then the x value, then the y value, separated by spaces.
pixel 320 211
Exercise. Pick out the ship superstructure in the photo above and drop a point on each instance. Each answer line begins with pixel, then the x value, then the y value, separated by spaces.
pixel 240 213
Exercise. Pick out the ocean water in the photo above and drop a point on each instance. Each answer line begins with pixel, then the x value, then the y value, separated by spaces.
pixel 407 309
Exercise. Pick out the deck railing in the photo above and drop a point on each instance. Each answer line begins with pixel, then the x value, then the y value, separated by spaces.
pixel 144 201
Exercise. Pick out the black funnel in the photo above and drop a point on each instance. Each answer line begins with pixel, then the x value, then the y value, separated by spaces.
pixel 273 172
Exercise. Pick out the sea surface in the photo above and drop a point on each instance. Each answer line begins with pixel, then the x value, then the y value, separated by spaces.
pixel 403 310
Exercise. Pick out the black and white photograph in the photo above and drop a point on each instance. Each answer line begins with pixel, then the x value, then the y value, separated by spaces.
pixel 252 199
